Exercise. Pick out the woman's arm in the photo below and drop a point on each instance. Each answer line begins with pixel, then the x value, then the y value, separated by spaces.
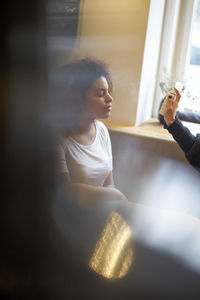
pixel 109 182
pixel 179 132
pixel 182 135
pixel 189 143
pixel 92 196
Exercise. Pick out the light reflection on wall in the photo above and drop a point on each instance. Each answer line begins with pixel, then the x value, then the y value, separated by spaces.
pixel 113 254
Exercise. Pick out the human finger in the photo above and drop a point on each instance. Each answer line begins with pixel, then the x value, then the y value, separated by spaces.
pixel 178 96
pixel 177 93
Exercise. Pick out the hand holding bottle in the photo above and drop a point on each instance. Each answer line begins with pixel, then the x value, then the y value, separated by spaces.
pixel 171 107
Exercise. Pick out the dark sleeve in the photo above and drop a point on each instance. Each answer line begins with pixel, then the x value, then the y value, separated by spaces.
pixel 189 143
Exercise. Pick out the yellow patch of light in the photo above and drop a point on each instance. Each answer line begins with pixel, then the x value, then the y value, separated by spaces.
pixel 113 254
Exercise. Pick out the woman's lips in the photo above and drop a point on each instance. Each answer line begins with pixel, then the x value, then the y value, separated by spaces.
pixel 109 107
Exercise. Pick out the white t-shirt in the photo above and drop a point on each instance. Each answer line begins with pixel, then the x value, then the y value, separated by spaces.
pixel 88 164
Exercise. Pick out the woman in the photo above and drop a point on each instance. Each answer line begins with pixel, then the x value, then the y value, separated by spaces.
pixel 189 143
pixel 85 156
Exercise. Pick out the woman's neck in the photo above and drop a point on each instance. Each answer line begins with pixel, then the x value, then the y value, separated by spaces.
pixel 84 132
pixel 83 127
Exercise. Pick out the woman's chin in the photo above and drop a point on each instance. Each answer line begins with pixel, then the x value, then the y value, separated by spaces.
pixel 107 115
pixel 104 116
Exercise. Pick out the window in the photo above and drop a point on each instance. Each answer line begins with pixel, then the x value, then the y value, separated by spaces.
pixel 172 48
pixel 181 60
pixel 192 71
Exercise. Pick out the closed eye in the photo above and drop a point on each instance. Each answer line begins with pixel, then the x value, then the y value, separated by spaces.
pixel 100 93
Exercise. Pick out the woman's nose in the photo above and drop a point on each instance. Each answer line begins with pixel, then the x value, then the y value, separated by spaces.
pixel 109 98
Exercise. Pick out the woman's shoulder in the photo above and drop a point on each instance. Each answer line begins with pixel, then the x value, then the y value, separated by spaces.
pixel 101 131
pixel 63 141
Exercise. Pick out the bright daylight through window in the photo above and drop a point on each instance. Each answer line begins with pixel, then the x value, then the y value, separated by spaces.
pixel 191 96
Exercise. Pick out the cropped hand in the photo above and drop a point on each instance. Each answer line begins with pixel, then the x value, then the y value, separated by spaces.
pixel 170 111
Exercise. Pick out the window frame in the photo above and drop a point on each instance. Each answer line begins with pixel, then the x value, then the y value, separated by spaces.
pixel 166 48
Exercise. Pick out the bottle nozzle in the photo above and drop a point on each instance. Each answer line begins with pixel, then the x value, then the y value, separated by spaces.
pixel 179 86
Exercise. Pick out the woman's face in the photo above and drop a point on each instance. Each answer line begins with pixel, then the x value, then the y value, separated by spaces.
pixel 99 101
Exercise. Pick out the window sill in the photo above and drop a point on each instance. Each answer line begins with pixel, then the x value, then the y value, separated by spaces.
pixel 151 129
